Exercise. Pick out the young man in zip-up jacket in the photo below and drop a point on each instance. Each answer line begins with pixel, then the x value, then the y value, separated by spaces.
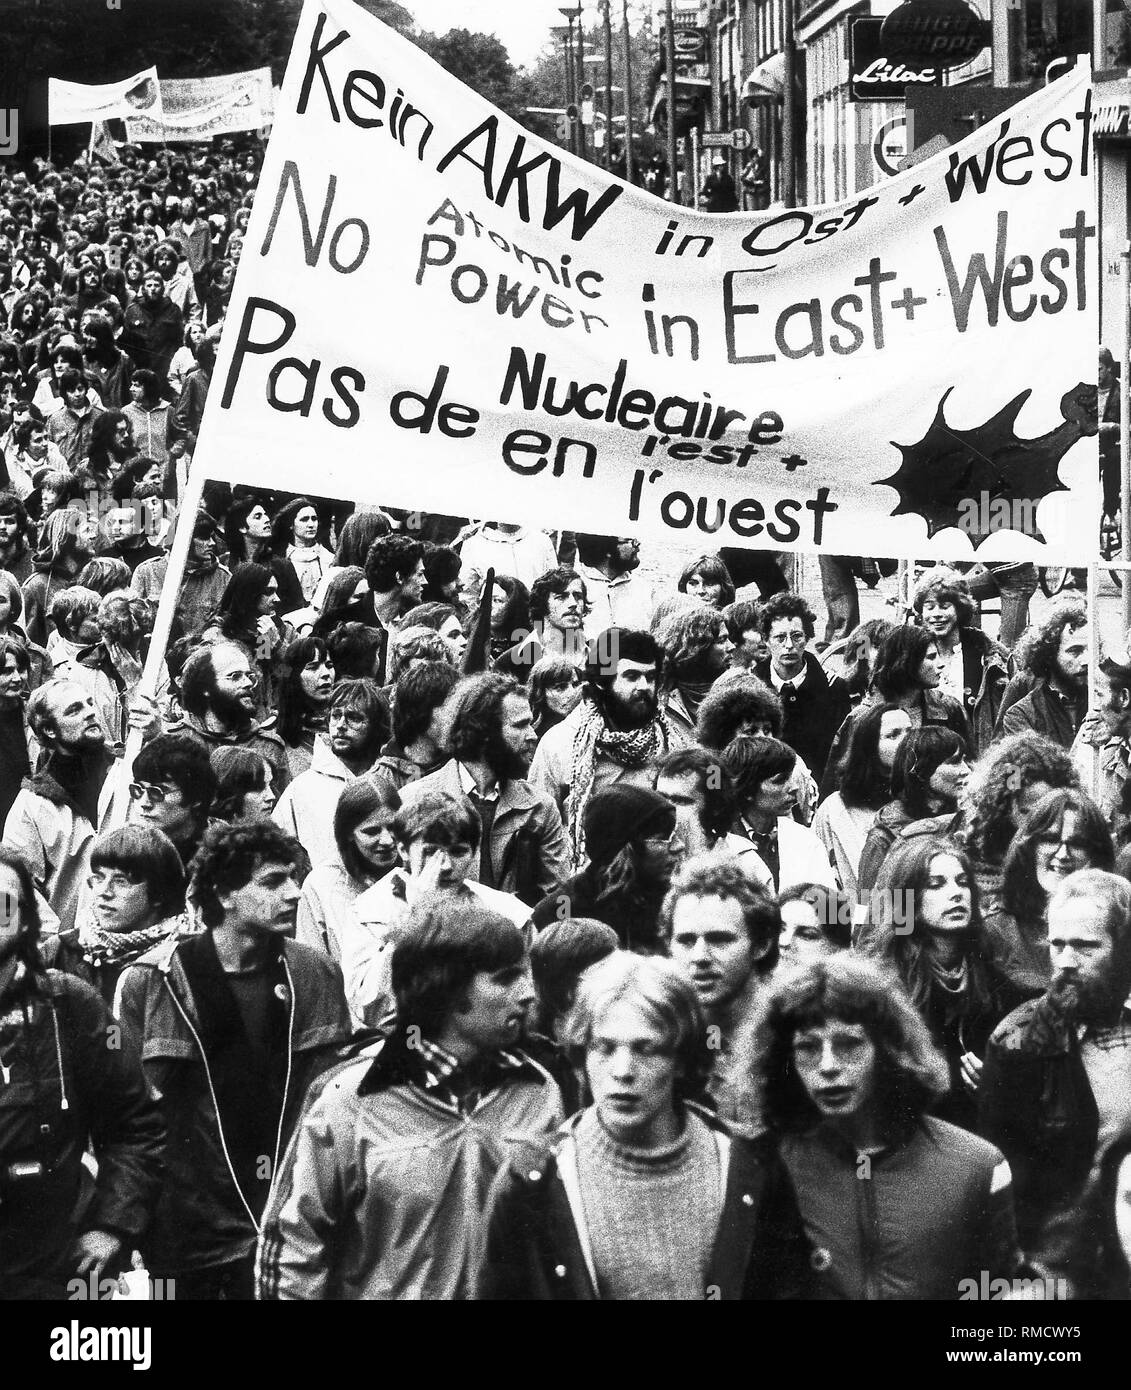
pixel 644 1195
pixel 384 1185
pixel 233 1025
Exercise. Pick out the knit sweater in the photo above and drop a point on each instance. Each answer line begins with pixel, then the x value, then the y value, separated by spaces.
pixel 651 1214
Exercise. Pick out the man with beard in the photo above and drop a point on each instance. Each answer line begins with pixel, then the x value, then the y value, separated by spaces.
pixel 813 704
pixel 697 649
pixel 616 734
pixel 233 1024
pixel 618 596
pixel 218 703
pixel 488 730
pixel 60 811
pixel 1056 1085
pixel 1055 707
pixel 154 328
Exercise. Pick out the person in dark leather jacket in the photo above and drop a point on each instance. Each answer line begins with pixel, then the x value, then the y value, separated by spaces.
pixel 1055 1061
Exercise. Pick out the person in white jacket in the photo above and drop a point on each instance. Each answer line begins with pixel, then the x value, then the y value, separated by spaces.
pixel 352 742
pixel 438 841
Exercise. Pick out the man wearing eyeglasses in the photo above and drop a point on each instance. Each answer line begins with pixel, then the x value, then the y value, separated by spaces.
pixel 813 704
pixel 172 790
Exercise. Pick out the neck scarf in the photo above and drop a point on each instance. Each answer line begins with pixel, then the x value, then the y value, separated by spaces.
pixel 628 748
pixel 101 947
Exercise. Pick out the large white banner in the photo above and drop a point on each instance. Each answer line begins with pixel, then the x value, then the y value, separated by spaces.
pixel 197 108
pixel 435 309
pixel 68 103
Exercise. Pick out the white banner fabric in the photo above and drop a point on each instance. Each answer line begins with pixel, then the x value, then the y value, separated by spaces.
pixel 436 309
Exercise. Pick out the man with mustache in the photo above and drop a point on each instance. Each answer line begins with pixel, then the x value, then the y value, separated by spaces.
pixel 616 734
pixel 218 700
pixel 1056 1086
pixel 1058 659
pixel 488 731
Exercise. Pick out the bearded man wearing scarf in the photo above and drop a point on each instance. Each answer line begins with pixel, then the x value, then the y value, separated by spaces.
pixel 617 733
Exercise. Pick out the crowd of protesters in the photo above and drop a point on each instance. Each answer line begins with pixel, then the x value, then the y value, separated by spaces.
pixel 492 917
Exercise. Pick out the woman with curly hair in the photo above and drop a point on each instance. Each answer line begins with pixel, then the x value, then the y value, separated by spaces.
pixel 925 922
pixel 1004 786
pixel 839 1066
pixel 740 703
pixel 697 648
pixel 1065 831
pixel 928 773
pixel 843 819
pixel 305 690
pixel 707 579
pixel 976 670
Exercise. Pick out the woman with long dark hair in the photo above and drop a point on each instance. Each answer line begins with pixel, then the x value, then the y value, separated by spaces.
pixel 928 773
pixel 248 614
pixel 294 538
pixel 844 818
pixel 111 446
pixel 305 690
pixel 245 784
pixel 344 601
pixel 367 851
pixel 925 922
pixel 906 673
pixel 1064 832
pixel 247 531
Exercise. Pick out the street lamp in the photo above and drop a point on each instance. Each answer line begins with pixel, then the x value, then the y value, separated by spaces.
pixel 573 85
pixel 603 7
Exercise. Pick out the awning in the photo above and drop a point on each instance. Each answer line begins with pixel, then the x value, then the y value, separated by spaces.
pixel 766 81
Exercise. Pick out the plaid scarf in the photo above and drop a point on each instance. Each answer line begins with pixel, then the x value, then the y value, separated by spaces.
pixel 628 748
pixel 101 947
